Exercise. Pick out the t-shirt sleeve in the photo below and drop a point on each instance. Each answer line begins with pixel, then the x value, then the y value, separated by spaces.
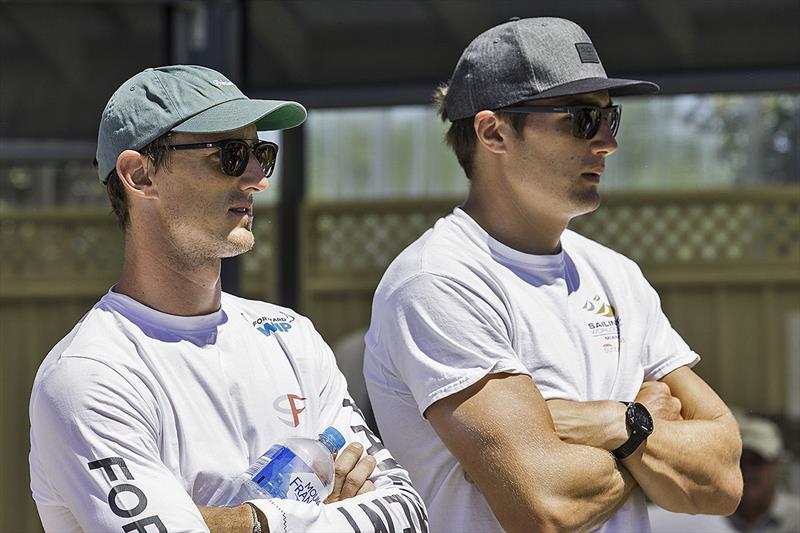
pixel 664 349
pixel 95 462
pixel 393 506
pixel 441 336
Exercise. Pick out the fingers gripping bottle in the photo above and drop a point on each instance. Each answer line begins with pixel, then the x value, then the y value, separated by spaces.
pixel 298 469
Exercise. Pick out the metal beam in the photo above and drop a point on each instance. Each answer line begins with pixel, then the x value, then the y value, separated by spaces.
pixel 58 46
pixel 46 149
pixel 726 81
pixel 463 20
pixel 276 29
pixel 208 33
pixel 686 82
pixel 674 24
pixel 292 193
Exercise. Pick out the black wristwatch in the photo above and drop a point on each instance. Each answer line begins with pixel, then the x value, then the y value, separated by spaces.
pixel 640 424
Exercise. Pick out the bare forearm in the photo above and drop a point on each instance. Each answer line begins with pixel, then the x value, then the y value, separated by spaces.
pixel 691 466
pixel 573 488
pixel 532 480
pixel 593 487
pixel 232 519
pixel 690 463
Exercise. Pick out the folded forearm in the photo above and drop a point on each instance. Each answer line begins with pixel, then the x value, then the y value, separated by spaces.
pixel 690 466
pixel 592 488
pixel 572 488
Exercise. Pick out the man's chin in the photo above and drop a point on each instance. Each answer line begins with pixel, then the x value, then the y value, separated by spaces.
pixel 587 202
pixel 239 241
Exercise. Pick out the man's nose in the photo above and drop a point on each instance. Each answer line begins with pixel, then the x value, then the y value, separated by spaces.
pixel 253 177
pixel 603 142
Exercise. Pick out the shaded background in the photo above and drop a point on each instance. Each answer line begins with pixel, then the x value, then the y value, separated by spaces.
pixel 703 193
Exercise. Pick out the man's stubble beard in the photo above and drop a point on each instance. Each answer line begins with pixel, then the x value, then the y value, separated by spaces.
pixel 238 245
pixel 190 253
pixel 583 200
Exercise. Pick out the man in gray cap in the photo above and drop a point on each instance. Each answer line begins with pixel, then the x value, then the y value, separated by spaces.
pixel 168 387
pixel 525 375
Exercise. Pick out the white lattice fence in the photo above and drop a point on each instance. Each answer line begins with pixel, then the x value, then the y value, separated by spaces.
pixel 66 251
pixel 352 238
pixel 721 229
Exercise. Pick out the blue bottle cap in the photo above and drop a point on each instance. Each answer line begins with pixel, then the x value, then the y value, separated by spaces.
pixel 332 439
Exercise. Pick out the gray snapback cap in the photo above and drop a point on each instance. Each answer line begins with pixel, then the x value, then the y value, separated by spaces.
pixel 530 59
pixel 185 99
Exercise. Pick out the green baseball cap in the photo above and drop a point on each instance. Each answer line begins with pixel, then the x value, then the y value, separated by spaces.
pixel 185 99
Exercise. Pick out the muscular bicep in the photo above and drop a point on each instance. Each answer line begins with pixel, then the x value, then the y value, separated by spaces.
pixel 698 399
pixel 501 432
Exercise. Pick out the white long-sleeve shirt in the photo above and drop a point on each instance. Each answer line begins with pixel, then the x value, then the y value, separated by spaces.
pixel 137 417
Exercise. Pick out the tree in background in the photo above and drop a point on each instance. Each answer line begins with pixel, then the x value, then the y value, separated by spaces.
pixel 758 135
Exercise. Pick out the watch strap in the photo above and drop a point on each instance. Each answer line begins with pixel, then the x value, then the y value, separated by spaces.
pixel 629 446
pixel 634 440
pixel 256 523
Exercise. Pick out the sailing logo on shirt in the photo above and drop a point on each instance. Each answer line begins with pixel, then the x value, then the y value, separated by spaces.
pixel 605 323
pixel 597 306
pixel 279 323
pixel 295 405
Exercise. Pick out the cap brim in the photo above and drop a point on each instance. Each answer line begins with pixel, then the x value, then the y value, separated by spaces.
pixel 234 114
pixel 614 86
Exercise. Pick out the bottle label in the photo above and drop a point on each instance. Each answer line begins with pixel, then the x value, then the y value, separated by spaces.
pixel 288 477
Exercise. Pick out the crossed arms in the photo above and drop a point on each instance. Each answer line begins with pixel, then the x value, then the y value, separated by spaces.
pixel 109 447
pixel 352 472
pixel 556 471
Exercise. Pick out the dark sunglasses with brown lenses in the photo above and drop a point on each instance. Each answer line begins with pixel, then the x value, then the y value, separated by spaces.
pixel 586 119
pixel 234 154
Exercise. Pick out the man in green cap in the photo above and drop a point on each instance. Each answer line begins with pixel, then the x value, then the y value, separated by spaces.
pixel 168 387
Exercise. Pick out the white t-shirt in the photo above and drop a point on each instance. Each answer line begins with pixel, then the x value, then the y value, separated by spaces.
pixel 457 305
pixel 663 521
pixel 138 416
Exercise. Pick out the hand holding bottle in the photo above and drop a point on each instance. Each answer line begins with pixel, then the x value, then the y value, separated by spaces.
pixel 352 472
pixel 302 469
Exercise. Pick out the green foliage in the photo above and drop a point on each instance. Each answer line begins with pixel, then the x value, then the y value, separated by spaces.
pixel 758 135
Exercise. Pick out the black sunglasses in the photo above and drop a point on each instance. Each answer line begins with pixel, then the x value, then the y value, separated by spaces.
pixel 586 119
pixel 234 154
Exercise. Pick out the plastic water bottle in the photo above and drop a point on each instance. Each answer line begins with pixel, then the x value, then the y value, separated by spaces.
pixel 298 469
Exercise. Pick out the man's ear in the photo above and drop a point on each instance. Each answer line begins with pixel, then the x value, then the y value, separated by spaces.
pixel 132 169
pixel 491 132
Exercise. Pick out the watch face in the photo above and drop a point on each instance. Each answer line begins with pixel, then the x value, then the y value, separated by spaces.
pixel 642 419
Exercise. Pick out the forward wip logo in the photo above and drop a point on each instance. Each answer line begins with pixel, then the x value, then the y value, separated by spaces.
pixel 296 405
pixel 280 323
